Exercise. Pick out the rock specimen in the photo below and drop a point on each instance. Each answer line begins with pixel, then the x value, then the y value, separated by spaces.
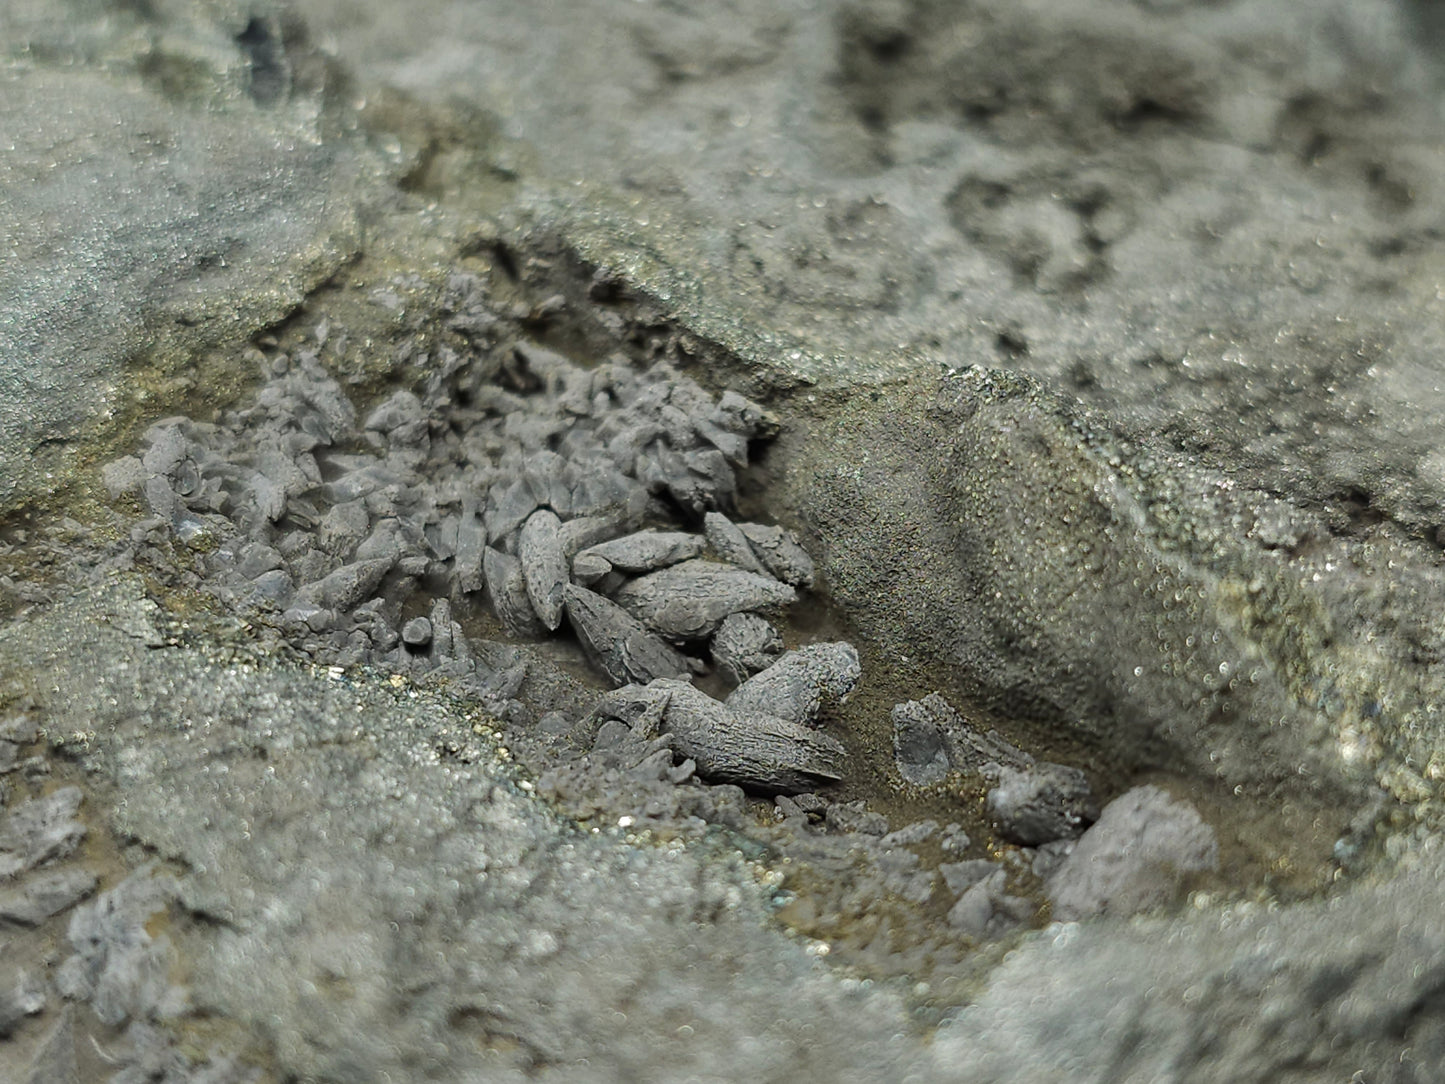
pixel 749 748
pixel 1041 803
pixel 759 547
pixel 743 645
pixel 507 588
pixel 1031 802
pixel 645 551
pixel 1141 852
pixel 617 643
pixel 780 553
pixel 689 600
pixel 920 745
pixel 544 568
pixel 797 686
pixel 44 895
pixel 930 739
pixel 541 481
pixel 348 586
pixel 417 632
pixel 729 543
pixel 961 876
pixel 986 911
pixel 118 966
pixel 39 831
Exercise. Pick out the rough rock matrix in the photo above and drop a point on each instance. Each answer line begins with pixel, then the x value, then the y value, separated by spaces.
pixel 809 540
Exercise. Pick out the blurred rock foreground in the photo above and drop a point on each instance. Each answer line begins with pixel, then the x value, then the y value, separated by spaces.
pixel 1105 341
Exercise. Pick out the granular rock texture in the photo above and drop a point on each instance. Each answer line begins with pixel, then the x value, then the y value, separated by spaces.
pixel 1141 852
pixel 1084 362
pixel 930 739
pixel 1240 992
pixel 143 233
pixel 743 645
pixel 416 913
pixel 801 684
pixel 1227 652
pixel 40 831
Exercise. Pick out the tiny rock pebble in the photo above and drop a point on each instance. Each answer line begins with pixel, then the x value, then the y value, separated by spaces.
pixel 417 632
pixel 855 817
pixel 1041 804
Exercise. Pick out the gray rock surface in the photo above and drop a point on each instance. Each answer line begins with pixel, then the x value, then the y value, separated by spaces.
pixel 617 643
pixel 1215 639
pixel 743 645
pixel 688 601
pixel 780 553
pixel 544 568
pixel 1043 803
pixel 801 684
pixel 531 935
pixel 55 1060
pixel 117 965
pixel 729 543
pixel 1284 995
pixel 931 739
pixel 20 996
pixel 646 551
pixel 145 233
pixel 507 588
pixel 39 831
pixel 961 876
pixel 986 910
pixel 1216 226
pixel 848 817
pixel 1136 219
pixel 1141 852
pixel 44 895
pixel 417 632
pixel 744 746
pixel 920 751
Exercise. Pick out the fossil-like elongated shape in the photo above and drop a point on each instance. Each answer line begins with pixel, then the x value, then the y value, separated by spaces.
pixel 729 542
pixel 544 567
pixel 646 551
pixel 617 643
pixel 349 586
pixel 508 592
pixel 780 553
pixel 471 540
pixel 743 645
pixel 688 601
pixel 750 749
